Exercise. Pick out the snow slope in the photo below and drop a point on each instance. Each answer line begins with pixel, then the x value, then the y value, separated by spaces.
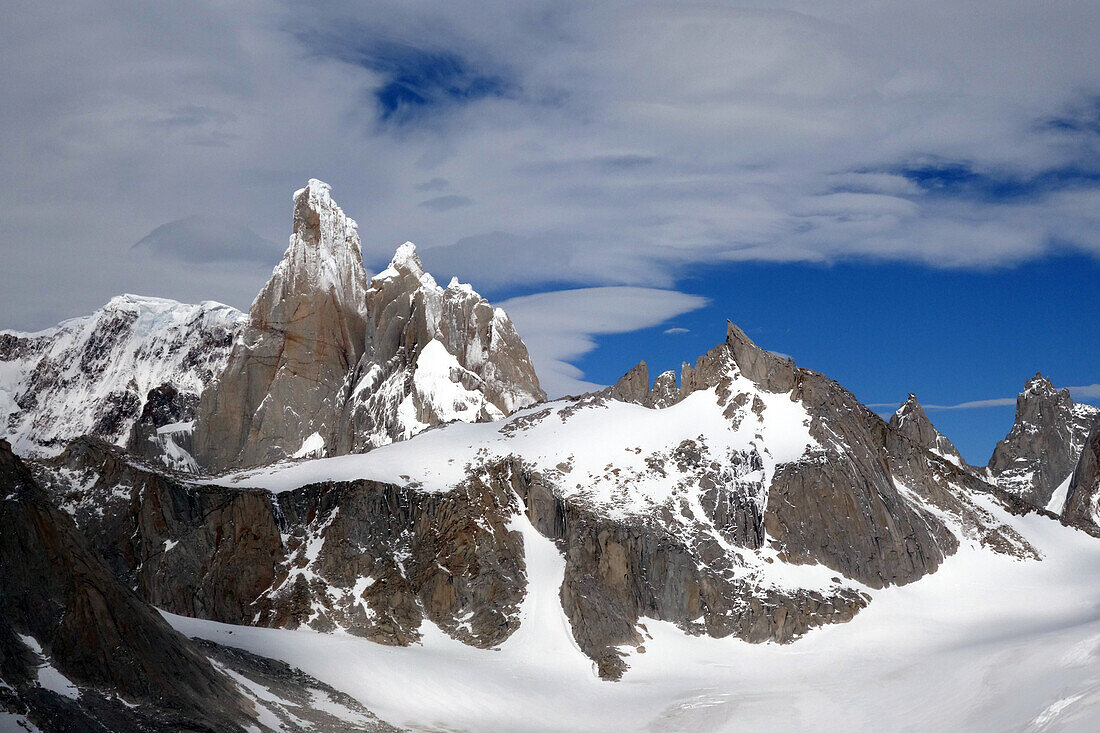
pixel 575 440
pixel 987 643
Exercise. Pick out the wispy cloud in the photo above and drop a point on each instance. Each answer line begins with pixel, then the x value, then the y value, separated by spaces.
pixel 1083 392
pixel 560 326
pixel 203 240
pixel 1086 392
pixel 446 203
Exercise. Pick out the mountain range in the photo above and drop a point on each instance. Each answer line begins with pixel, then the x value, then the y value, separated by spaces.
pixel 371 460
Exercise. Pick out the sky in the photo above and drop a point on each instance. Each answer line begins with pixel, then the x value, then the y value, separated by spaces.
pixel 904 196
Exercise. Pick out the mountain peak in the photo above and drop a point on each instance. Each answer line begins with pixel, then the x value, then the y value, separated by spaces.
pixel 405 265
pixel 1040 451
pixel 911 421
pixel 406 256
pixel 910 408
pixel 1039 385
pixel 332 359
pixel 323 257
pixel 315 188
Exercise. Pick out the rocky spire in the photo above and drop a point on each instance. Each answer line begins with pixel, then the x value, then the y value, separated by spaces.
pixel 333 362
pixel 285 377
pixel 324 256
pixel 911 421
pixel 1041 450
pixel 434 355
pixel 632 386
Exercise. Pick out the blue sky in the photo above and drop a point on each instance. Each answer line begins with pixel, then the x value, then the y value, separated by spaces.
pixel 949 336
pixel 905 196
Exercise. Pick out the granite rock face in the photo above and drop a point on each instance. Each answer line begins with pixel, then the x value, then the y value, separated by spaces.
pixel 376 559
pixel 1042 449
pixel 370 558
pixel 868 501
pixel 1082 505
pixel 434 355
pixel 332 363
pixel 632 386
pixel 62 608
pixel 619 572
pixel 189 549
pixel 286 377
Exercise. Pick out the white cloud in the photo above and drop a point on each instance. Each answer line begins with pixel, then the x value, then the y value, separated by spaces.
pixel 634 140
pixel 997 402
pixel 559 327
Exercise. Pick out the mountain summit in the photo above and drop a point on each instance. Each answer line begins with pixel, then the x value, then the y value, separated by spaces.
pixel 333 363
pixel 911 421
pixel 286 375
pixel 1040 452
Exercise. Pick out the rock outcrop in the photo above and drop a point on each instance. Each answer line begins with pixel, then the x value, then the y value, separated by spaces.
pixel 1042 449
pixel 632 386
pixel 370 558
pixel 287 375
pixel 434 355
pixel 74 638
pixel 331 363
pixel 1082 505
pixel 188 549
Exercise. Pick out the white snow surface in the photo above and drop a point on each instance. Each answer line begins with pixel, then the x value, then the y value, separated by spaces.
pixel 987 643
pixel 597 450
pixel 1057 501
pixel 49 677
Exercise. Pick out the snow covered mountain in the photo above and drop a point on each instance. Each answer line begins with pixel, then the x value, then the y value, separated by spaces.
pixel 760 502
pixel 135 360
pixel 711 540
pixel 332 363
pixel 327 362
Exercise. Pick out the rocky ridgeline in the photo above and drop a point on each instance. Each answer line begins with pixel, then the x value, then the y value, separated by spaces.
pixel 376 558
pixel 327 361
pixel 80 651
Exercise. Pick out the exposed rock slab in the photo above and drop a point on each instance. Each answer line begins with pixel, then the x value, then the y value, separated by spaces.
pixel 62 609
pixel 1082 505
pixel 911 421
